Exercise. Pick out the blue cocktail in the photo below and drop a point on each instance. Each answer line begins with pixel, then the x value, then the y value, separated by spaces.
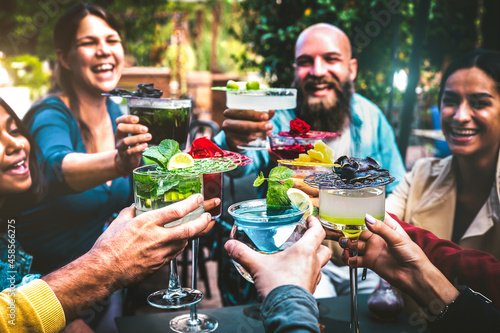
pixel 263 230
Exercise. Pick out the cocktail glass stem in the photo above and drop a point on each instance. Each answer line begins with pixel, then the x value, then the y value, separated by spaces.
pixel 195 244
pixel 353 275
pixel 174 285
pixel 194 322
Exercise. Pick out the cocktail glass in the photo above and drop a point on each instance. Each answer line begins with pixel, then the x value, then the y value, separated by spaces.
pixel 345 210
pixel 261 100
pixel 165 118
pixel 344 203
pixel 304 169
pixel 194 321
pixel 153 189
pixel 288 147
pixel 262 231
pixel 212 188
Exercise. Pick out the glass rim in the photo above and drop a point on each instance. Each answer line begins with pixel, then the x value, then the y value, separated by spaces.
pixel 333 181
pixel 258 92
pixel 256 203
pixel 162 171
pixel 160 102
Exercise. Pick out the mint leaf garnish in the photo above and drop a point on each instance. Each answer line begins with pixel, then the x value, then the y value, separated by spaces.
pixel 280 173
pixel 146 185
pixel 276 194
pixel 260 180
pixel 288 183
pixel 154 154
pixel 169 148
pixel 279 183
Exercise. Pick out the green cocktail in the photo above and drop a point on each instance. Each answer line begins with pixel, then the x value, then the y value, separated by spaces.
pixel 165 118
pixel 345 209
pixel 155 188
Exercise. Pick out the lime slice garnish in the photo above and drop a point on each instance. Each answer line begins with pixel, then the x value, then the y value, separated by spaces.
pixel 180 161
pixel 232 85
pixel 253 85
pixel 300 200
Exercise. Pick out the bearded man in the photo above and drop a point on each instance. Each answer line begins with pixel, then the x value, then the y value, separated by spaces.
pixel 324 75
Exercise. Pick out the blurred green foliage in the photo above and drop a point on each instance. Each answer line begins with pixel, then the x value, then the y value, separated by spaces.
pixel 27 71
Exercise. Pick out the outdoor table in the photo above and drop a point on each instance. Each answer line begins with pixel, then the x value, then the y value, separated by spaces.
pixel 335 314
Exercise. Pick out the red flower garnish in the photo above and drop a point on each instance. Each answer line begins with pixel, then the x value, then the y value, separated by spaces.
pixel 204 148
pixel 298 127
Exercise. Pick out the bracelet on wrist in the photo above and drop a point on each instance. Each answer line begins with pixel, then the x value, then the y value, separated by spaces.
pixel 117 168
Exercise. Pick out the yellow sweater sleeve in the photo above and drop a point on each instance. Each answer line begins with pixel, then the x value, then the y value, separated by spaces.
pixel 31 308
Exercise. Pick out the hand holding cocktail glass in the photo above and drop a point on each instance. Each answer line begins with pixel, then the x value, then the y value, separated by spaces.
pixel 250 108
pixel 299 264
pixel 356 187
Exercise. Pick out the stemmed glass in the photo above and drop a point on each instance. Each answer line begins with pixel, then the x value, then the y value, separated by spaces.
pixel 342 208
pixel 153 189
pixel 263 232
pixel 261 100
pixel 194 321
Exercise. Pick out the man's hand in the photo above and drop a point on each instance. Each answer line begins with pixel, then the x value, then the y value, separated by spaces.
pixel 299 265
pixel 243 126
pixel 138 246
pixel 131 249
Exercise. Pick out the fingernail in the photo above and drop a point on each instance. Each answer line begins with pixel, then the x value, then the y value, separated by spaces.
pixel 200 198
pixel 217 201
pixel 269 126
pixel 370 219
pixel 229 246
pixel 343 242
pixel 264 116
pixel 135 119
pixel 148 136
pixel 144 129
pixel 209 217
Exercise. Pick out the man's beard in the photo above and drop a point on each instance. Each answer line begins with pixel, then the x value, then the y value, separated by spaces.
pixel 325 113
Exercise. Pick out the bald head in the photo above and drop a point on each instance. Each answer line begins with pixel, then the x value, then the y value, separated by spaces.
pixel 326 31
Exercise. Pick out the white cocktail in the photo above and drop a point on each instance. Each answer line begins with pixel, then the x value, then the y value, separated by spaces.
pixel 261 100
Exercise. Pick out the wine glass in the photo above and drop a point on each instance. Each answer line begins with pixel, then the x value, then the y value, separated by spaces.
pixel 153 189
pixel 261 100
pixel 194 321
pixel 345 210
pixel 263 230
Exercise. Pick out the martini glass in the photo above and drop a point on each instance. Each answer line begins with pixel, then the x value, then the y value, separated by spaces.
pixel 261 100
pixel 264 232
pixel 342 208
pixel 153 189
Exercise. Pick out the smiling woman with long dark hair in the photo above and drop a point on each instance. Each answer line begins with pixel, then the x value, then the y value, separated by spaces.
pixel 457 198
pixel 86 143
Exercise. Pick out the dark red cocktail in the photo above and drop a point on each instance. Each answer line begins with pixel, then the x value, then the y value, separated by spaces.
pixel 212 188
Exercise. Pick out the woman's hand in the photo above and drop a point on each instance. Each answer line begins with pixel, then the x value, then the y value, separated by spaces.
pixel 131 140
pixel 388 250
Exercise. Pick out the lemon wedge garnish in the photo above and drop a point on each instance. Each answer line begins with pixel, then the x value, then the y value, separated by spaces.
pixel 300 200
pixel 180 161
